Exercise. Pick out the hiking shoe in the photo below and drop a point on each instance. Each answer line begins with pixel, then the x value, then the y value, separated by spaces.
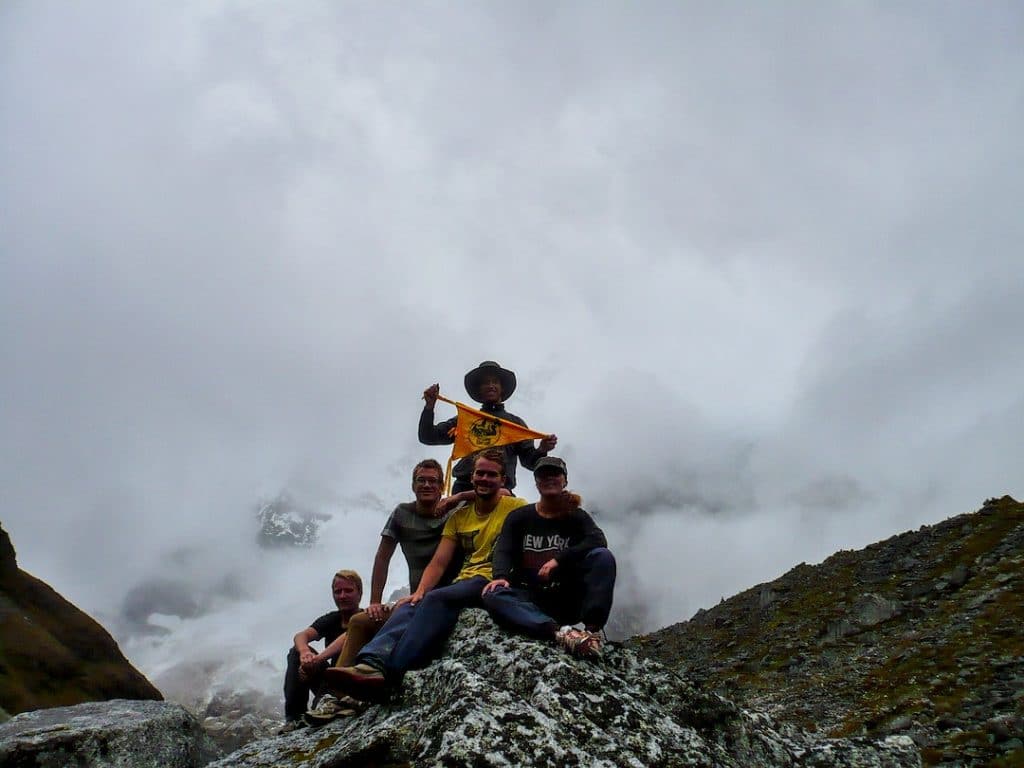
pixel 579 642
pixel 330 708
pixel 361 682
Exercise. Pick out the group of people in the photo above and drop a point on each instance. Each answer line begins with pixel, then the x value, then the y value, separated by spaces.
pixel 541 569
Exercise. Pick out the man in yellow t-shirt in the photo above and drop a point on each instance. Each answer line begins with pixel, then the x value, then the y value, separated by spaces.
pixel 423 621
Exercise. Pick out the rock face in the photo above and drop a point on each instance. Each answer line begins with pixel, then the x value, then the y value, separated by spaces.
pixel 114 734
pixel 232 719
pixel 919 635
pixel 499 700
pixel 51 653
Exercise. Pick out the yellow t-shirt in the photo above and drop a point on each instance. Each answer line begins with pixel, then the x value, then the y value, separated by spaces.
pixel 477 535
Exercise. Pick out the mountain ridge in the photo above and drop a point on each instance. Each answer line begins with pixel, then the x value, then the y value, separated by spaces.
pixel 52 653
pixel 918 634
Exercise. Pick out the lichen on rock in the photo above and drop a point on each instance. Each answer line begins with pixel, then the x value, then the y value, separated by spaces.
pixel 918 635
pixel 108 734
pixel 496 699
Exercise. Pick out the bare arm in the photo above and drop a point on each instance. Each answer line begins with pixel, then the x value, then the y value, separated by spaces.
pixel 301 642
pixel 450 502
pixel 334 649
pixel 381 561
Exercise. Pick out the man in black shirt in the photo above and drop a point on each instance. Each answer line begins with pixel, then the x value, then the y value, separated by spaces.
pixel 552 567
pixel 490 385
pixel 305 665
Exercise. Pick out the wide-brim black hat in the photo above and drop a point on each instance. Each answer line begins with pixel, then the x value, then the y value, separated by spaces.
pixel 490 368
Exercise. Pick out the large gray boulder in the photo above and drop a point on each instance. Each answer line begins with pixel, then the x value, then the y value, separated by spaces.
pixel 499 700
pixel 108 734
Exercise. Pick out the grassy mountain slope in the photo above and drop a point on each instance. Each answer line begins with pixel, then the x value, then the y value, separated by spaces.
pixel 922 634
pixel 51 653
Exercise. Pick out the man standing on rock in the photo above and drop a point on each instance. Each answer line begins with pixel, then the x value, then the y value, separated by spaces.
pixel 422 622
pixel 490 385
pixel 305 666
pixel 552 567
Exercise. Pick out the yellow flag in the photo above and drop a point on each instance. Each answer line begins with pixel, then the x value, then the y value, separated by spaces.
pixel 476 431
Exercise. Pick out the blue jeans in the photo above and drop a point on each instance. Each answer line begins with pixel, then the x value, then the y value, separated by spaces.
pixel 583 592
pixel 415 634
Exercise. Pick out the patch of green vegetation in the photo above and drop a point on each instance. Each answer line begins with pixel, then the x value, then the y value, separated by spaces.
pixel 970 739
pixel 53 654
pixel 298 756
pixel 989 529
pixel 936 661
pixel 1013 759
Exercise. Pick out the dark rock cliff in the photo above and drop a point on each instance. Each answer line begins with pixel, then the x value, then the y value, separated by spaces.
pixel 51 653
pixel 920 634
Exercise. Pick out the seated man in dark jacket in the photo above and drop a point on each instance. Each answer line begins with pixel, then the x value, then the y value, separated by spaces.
pixel 490 385
pixel 552 567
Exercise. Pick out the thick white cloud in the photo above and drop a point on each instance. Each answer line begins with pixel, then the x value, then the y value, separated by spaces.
pixel 758 268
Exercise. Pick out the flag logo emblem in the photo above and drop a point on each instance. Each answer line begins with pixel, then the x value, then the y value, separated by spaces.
pixel 483 433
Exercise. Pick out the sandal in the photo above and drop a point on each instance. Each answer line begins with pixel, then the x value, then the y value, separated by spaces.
pixel 579 642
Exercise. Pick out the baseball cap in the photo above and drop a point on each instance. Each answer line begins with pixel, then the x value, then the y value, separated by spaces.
pixel 550 463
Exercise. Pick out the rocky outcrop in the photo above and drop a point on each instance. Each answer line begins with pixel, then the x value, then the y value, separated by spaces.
pixel 51 653
pixel 919 634
pixel 230 718
pixel 233 729
pixel 112 734
pixel 499 700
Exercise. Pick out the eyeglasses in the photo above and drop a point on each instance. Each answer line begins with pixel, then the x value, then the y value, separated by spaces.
pixel 427 481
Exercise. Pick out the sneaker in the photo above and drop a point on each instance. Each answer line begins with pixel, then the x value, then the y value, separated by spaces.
pixel 329 708
pixel 361 682
pixel 579 642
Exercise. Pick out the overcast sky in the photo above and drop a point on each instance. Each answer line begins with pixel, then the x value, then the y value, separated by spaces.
pixel 759 266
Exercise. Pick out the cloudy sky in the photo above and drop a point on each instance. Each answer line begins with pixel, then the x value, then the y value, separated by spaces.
pixel 758 266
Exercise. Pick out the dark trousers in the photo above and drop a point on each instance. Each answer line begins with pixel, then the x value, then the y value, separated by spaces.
pixel 415 634
pixel 583 592
pixel 296 690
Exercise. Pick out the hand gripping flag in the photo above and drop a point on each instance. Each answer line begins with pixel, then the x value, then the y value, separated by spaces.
pixel 475 431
